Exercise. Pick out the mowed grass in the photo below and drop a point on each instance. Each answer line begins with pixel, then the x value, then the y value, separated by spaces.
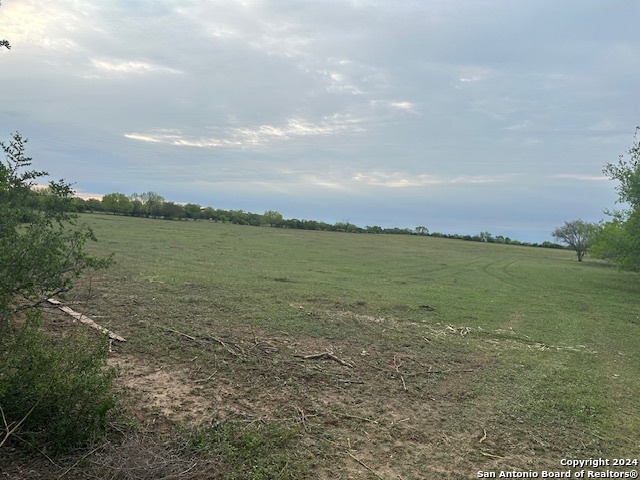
pixel 461 356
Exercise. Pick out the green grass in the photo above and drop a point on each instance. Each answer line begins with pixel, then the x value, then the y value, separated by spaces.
pixel 498 356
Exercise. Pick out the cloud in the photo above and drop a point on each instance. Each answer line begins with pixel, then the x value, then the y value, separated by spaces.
pixel 130 66
pixel 581 177
pixel 256 136
pixel 404 180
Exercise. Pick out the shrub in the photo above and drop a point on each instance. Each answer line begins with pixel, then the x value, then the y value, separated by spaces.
pixel 58 387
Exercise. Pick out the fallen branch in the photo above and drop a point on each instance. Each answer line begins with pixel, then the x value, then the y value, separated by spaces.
pixel 490 455
pixel 364 465
pixel 202 339
pixel 229 349
pixel 86 320
pixel 176 331
pixel 327 355
pixel 303 418
pixel 356 417
pixel 203 380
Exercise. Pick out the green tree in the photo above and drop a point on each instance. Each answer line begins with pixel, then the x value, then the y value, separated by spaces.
pixel 42 249
pixel 192 210
pixel 172 211
pixel 137 209
pixel 209 213
pixel 619 239
pixel 151 203
pixel 80 204
pixel 627 173
pixel 272 218
pixel 117 203
pixel 577 234
pixel 93 205
pixel 485 237
pixel 422 230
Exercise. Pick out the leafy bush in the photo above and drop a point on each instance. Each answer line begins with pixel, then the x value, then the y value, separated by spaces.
pixel 54 392
pixel 58 387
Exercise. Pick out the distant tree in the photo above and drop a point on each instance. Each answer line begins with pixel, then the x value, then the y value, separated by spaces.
pixel 117 203
pixel 347 226
pixel 151 203
pixel 137 208
pixel 208 213
pixel 48 199
pixel 79 204
pixel 310 225
pixel 192 210
pixel 272 218
pixel 422 230
pixel 172 211
pixel 293 223
pixel 577 234
pixel 93 205
pixel 485 237
pixel 547 244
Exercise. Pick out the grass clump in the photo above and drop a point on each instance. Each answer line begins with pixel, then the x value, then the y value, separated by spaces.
pixel 257 451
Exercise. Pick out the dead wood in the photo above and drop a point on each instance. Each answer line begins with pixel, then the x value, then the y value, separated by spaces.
pixel 86 320
pixel 176 331
pixel 364 465
pixel 327 355
pixel 207 339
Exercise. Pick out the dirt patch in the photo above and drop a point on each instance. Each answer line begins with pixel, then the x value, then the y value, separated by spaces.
pixel 163 390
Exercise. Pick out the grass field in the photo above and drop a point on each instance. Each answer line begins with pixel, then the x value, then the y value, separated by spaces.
pixel 445 357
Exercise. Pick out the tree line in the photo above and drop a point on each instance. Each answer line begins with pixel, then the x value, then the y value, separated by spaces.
pixel 153 205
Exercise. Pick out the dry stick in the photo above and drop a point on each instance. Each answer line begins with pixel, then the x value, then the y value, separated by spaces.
pixel 202 380
pixel 229 349
pixel 187 470
pixel 364 465
pixel 356 417
pixel 303 418
pixel 490 455
pixel 13 430
pixel 484 437
pixel 79 460
pixel 176 331
pixel 196 339
pixel 328 355
pixel 84 319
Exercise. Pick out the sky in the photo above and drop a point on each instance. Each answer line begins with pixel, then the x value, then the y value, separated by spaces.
pixel 458 115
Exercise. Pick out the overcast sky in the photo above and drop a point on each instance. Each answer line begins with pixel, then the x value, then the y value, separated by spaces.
pixel 459 115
